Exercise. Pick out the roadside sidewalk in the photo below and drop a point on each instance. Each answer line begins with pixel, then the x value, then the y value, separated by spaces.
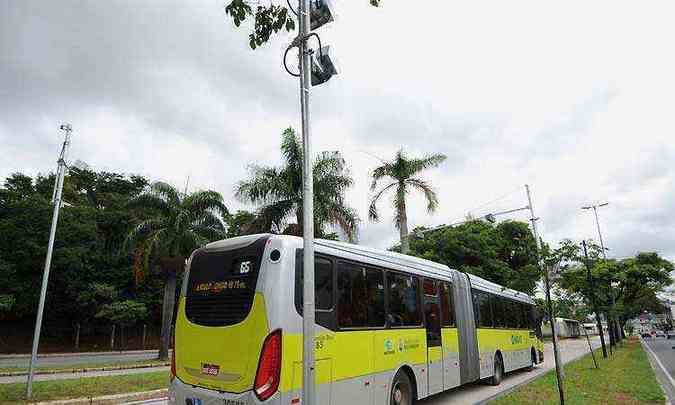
pixel 111 399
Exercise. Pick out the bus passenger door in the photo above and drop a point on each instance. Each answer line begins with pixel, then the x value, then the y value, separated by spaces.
pixel 432 322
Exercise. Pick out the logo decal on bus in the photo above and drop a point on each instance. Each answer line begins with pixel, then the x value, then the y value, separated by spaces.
pixel 388 346
pixel 515 339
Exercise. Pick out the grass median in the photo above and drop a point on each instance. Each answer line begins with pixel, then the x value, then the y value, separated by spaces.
pixel 624 378
pixel 84 387
pixel 97 366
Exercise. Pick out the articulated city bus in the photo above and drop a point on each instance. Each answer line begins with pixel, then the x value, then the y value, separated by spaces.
pixel 390 328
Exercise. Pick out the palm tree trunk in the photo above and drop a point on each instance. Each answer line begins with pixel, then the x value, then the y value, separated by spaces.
pixel 170 267
pixel 403 222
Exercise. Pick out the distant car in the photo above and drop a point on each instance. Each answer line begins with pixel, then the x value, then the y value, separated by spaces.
pixel 670 335
pixel 646 335
pixel 660 333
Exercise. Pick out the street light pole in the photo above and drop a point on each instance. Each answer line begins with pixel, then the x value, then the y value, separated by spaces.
pixel 308 386
pixel 57 201
pixel 560 373
pixel 611 323
pixel 591 286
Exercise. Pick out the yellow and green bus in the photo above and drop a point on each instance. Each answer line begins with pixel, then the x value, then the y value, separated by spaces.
pixel 390 328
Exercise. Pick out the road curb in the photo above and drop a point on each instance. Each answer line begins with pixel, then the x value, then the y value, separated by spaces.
pixel 84 369
pixel 112 399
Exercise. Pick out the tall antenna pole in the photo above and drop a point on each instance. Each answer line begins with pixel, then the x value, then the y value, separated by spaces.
pixel 308 386
pixel 556 352
pixel 56 200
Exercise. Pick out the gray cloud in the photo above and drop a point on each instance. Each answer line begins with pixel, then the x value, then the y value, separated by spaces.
pixel 171 90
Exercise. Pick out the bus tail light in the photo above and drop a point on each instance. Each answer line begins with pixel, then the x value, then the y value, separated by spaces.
pixel 269 367
pixel 173 356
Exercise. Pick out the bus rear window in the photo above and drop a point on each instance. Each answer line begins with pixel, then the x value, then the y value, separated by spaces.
pixel 221 285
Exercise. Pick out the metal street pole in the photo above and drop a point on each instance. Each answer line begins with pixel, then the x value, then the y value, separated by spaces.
pixel 61 171
pixel 611 323
pixel 308 386
pixel 560 374
pixel 591 285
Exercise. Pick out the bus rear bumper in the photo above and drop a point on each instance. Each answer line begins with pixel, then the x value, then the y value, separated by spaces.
pixel 184 394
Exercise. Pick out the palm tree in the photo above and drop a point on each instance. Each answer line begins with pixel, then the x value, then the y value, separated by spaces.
pixel 402 172
pixel 177 224
pixel 278 191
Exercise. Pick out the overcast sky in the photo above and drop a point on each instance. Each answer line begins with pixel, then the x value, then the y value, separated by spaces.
pixel 573 98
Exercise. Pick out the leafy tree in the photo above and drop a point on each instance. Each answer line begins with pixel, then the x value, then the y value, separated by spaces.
pixel 124 313
pixel 268 20
pixel 174 225
pixel 278 192
pixel 503 253
pixel 634 281
pixel 402 177
pixel 241 223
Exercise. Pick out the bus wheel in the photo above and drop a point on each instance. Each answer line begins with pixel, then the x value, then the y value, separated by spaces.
pixel 498 374
pixel 533 361
pixel 401 390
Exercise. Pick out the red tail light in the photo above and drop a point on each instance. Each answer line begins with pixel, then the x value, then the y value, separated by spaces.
pixel 173 356
pixel 269 367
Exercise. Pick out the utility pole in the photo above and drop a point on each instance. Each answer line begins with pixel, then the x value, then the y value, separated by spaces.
pixel 612 323
pixel 308 386
pixel 560 374
pixel 56 200
pixel 591 285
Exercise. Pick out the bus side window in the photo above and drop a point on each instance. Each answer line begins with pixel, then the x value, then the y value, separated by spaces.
pixel 360 296
pixel 323 290
pixel 498 311
pixel 403 294
pixel 447 308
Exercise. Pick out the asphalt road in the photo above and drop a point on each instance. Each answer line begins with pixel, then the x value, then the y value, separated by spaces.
pixel 477 393
pixel 664 350
pixel 78 359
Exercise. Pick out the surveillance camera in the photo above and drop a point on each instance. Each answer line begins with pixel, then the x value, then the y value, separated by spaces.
pixel 65 127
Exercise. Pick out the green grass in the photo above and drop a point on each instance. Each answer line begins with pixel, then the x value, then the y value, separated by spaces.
pixel 79 367
pixel 625 378
pixel 84 387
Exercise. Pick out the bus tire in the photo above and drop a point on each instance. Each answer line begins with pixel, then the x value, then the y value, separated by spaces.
pixel 533 360
pixel 401 390
pixel 498 373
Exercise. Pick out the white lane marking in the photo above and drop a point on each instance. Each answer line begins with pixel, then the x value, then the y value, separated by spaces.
pixel 663 368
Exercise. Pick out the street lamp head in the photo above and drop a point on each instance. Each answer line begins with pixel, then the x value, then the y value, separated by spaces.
pixel 586 207
pixel 603 204
pixel 323 66
pixel 321 12
pixel 66 127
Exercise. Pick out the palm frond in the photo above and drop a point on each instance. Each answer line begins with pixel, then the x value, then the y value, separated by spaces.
pixel 265 185
pixel 201 201
pixel 429 193
pixel 373 215
pixel 274 215
pixel 167 192
pixel 414 166
pixel 141 231
pixel 379 173
pixel 291 148
pixel 344 217
pixel 149 200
